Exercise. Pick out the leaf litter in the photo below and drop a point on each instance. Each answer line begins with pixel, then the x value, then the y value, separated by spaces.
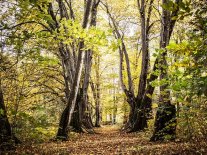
pixel 109 140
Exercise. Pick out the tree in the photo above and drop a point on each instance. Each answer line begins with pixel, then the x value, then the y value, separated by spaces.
pixel 188 84
pixel 88 64
pixel 7 137
pixel 165 121
pixel 140 104
pixel 68 112
pixel 143 107
pixel 69 49
pixel 95 87
pixel 5 129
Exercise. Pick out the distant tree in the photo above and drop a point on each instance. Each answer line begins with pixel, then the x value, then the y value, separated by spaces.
pixel 140 104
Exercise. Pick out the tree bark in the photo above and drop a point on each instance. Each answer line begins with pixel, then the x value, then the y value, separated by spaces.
pixel 140 114
pixel 96 91
pixel 97 124
pixel 5 128
pixel 88 63
pixel 67 114
pixel 7 138
pixel 165 120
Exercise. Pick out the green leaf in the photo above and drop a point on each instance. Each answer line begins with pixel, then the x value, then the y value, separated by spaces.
pixel 1 112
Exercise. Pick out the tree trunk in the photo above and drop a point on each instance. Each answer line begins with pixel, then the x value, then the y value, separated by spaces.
pixel 97 123
pixel 86 118
pixel 140 120
pixel 83 108
pixel 129 92
pixel 67 114
pixel 96 95
pixel 63 128
pixel 5 128
pixel 7 139
pixel 114 114
pixel 76 124
pixel 132 115
pixel 165 121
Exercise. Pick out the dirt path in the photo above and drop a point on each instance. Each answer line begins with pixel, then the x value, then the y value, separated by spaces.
pixel 110 141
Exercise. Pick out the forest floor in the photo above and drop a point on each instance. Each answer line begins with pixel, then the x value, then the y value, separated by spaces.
pixel 109 140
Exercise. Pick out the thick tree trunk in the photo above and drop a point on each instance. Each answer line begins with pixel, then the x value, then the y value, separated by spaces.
pixel 83 108
pixel 145 109
pixel 71 103
pixel 69 82
pixel 165 121
pixel 76 123
pixel 145 52
pixel 63 128
pixel 96 89
pixel 86 118
pixel 140 120
pixel 67 114
pixel 5 128
pixel 132 115
pixel 7 139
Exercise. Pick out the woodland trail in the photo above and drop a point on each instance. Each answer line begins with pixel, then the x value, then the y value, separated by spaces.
pixel 109 140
